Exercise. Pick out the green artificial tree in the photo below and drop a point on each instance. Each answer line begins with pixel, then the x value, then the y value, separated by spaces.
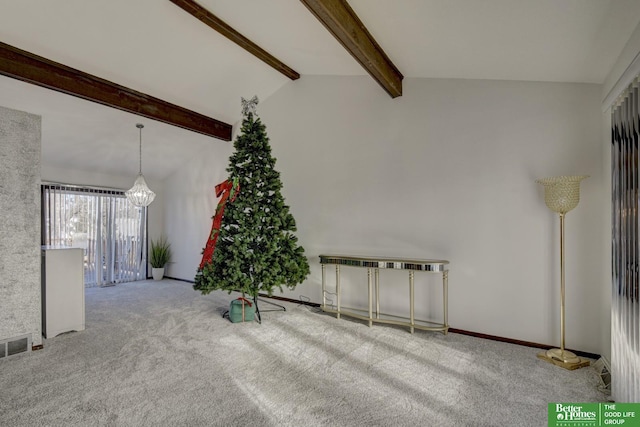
pixel 255 248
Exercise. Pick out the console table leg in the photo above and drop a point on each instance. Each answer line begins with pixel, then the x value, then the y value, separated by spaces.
pixel 445 299
pixel 411 302
pixel 338 290
pixel 324 289
pixel 377 293
pixel 370 296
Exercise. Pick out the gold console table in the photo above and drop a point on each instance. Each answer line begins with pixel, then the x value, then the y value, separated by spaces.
pixel 373 266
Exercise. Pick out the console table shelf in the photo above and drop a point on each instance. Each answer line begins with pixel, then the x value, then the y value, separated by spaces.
pixel 373 266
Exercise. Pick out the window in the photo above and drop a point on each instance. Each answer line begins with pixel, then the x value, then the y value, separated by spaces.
pixel 112 232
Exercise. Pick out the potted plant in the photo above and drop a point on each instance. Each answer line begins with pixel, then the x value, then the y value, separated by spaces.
pixel 160 256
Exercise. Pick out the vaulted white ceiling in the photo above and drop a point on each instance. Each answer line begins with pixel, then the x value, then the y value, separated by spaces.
pixel 155 47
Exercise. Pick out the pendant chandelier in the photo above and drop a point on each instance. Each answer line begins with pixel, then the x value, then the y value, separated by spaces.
pixel 140 195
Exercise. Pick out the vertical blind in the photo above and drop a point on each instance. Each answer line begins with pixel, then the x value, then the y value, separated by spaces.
pixel 625 323
pixel 111 231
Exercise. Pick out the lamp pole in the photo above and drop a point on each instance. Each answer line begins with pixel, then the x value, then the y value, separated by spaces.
pixel 562 284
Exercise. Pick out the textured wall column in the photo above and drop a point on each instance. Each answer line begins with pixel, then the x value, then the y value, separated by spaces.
pixel 20 307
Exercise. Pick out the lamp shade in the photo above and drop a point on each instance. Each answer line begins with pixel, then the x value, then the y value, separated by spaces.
pixel 140 194
pixel 562 193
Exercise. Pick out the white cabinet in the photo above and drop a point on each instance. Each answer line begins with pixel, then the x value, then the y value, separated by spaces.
pixel 62 290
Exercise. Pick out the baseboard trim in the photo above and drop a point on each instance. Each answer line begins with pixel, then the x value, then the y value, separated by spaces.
pixel 179 280
pixel 452 330
pixel 520 342
pixel 37 347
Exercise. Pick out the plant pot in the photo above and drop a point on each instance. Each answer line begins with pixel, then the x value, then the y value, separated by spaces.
pixel 158 273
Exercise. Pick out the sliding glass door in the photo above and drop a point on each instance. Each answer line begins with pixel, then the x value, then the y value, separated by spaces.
pixel 625 305
pixel 111 231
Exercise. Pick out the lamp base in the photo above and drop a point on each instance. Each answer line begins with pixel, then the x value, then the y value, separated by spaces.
pixel 565 359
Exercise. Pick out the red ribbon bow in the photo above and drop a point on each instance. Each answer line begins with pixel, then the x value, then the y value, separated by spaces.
pixel 243 300
pixel 229 191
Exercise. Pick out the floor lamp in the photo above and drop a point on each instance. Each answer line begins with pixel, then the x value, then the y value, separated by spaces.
pixel 562 194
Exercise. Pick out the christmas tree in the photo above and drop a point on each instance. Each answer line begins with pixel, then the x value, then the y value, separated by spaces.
pixel 251 248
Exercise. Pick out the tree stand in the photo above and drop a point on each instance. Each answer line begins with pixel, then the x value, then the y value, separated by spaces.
pixel 255 301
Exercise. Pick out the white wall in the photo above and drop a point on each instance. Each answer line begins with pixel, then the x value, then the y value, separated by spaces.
pixel 445 171
pixel 626 57
pixel 448 171
pixel 190 203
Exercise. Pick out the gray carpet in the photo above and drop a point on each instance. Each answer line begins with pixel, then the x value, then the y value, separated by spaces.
pixel 159 353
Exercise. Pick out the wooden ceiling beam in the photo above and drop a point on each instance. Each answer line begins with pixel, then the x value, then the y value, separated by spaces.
pixel 30 68
pixel 341 21
pixel 226 30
